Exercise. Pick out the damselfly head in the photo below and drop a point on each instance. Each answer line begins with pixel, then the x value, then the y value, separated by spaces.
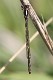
pixel 26 6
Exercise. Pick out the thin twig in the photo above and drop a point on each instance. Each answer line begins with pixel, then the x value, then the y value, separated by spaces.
pixel 22 48
pixel 40 27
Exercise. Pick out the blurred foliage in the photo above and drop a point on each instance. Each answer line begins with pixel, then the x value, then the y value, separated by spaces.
pixel 11 17
pixel 24 76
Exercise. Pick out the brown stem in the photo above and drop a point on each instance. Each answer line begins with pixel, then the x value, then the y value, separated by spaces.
pixel 40 27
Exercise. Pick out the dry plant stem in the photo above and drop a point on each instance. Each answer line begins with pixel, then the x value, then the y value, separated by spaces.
pixel 22 48
pixel 40 27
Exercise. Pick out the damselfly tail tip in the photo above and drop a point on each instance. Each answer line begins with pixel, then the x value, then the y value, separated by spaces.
pixel 29 72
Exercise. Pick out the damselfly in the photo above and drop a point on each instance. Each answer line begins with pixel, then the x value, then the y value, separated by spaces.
pixel 26 9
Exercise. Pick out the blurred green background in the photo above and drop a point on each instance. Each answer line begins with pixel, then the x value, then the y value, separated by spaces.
pixel 12 37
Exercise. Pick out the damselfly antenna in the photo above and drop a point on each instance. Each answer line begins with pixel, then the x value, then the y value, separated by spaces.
pixel 26 8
